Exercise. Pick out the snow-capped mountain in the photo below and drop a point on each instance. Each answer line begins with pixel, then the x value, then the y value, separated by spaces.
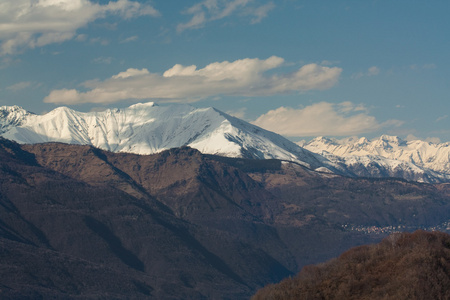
pixel 387 156
pixel 147 128
pixel 12 116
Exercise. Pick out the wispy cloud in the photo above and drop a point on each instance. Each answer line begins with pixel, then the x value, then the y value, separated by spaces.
pixel 260 12
pixel 212 10
pixel 423 67
pixel 239 113
pixel 372 71
pixel 129 39
pixel 244 77
pixel 19 86
pixel 99 40
pixel 23 86
pixel 103 60
pixel 441 118
pixel 36 23
pixel 81 38
pixel 323 118
pixel 411 137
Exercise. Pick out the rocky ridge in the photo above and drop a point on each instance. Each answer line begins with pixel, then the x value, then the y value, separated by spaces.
pixel 387 156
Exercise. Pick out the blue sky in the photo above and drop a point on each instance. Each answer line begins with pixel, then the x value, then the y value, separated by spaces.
pixel 299 68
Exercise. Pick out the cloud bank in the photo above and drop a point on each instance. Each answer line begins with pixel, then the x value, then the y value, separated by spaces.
pixel 212 10
pixel 323 118
pixel 30 23
pixel 245 77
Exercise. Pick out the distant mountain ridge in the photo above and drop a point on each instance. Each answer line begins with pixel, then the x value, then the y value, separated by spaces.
pixel 387 156
pixel 146 128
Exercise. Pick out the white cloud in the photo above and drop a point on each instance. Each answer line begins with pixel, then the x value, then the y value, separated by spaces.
pixel 36 23
pixel 322 119
pixel 212 10
pixel 131 73
pixel 244 77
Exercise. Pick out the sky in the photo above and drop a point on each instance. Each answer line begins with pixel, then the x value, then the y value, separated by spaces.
pixel 302 69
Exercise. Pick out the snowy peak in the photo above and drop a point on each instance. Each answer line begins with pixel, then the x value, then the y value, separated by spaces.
pixel 413 155
pixel 392 140
pixel 147 128
pixel 11 116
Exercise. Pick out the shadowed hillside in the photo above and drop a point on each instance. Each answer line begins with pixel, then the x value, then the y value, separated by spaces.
pixel 403 266
pixel 179 224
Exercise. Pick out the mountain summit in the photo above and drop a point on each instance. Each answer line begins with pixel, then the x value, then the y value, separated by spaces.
pixel 146 128
pixel 387 156
pixel 434 156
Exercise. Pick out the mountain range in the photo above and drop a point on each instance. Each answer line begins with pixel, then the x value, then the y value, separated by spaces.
pixel 78 222
pixel 387 156
pixel 146 128
pixel 170 202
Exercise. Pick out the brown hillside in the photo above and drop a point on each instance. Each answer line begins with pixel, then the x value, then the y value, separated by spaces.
pixel 180 224
pixel 402 266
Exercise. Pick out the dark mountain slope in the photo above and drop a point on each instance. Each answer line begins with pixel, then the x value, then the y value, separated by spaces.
pixel 180 224
pixel 229 209
pixel 183 179
pixel 98 228
pixel 30 272
pixel 241 196
pixel 139 238
pixel 402 266
pixel 362 201
pixel 342 212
